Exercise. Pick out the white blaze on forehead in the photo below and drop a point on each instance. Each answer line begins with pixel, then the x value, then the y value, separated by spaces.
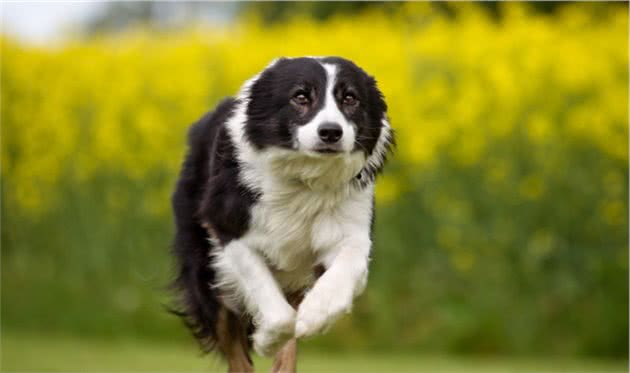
pixel 307 136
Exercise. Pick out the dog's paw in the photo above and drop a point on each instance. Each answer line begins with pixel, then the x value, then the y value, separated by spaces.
pixel 273 332
pixel 321 307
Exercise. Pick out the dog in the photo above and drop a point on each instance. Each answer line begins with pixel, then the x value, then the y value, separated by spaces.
pixel 274 208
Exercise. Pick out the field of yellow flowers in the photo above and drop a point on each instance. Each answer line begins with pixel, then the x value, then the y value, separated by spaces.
pixel 503 219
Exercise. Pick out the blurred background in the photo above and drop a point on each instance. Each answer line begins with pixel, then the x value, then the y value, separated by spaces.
pixel 501 238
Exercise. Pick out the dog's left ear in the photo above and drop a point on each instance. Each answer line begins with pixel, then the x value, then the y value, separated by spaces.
pixel 380 130
pixel 377 108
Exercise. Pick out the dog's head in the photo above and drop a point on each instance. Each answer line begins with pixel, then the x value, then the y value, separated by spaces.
pixel 319 107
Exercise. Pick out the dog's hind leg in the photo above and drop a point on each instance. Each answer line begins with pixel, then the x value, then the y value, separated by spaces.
pixel 232 341
pixel 286 358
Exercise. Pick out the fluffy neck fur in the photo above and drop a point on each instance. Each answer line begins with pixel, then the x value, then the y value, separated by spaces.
pixel 315 173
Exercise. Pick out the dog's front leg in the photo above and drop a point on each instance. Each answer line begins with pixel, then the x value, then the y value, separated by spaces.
pixel 245 274
pixel 334 291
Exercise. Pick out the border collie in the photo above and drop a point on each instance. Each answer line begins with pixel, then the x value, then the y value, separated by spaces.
pixel 274 206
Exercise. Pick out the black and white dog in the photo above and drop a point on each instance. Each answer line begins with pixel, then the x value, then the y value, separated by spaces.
pixel 275 202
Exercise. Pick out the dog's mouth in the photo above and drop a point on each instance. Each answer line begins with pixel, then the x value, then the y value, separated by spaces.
pixel 328 151
pixel 321 150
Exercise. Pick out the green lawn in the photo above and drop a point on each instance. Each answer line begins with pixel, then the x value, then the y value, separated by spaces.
pixel 47 353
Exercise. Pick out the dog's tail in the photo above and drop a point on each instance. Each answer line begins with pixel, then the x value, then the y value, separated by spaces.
pixel 196 302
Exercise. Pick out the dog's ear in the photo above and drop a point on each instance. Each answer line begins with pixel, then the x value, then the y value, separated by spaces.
pixel 377 108
pixel 379 137
pixel 376 111
pixel 262 90
pixel 266 93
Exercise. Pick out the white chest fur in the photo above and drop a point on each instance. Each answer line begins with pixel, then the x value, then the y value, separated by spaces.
pixel 307 207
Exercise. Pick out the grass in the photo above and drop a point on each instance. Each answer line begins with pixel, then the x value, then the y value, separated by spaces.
pixel 30 353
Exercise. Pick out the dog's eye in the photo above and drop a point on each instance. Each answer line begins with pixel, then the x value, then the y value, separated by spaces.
pixel 350 99
pixel 300 98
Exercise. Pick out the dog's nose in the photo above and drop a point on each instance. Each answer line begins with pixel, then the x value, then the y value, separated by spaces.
pixel 329 132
